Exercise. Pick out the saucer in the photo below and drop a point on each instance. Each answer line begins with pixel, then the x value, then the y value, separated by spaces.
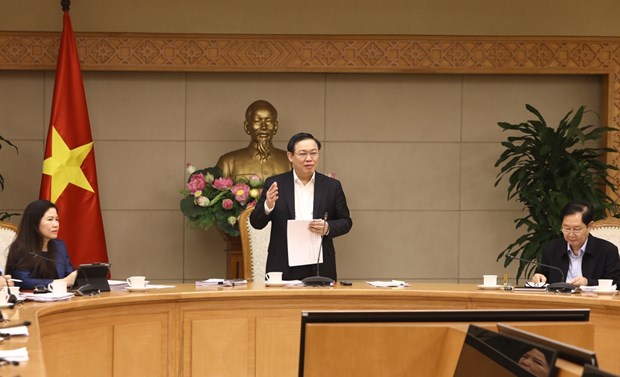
pixel 137 289
pixel 482 286
pixel 275 283
pixel 605 291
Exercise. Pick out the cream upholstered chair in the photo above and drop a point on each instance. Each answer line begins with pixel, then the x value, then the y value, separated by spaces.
pixel 607 229
pixel 254 245
pixel 8 232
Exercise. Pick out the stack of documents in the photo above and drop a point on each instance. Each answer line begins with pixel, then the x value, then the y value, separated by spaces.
pixel 46 297
pixel 388 284
pixel 18 354
pixel 159 286
pixel 15 331
pixel 117 285
pixel 221 282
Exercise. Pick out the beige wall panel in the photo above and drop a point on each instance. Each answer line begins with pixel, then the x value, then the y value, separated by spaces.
pixel 204 255
pixel 140 175
pixel 393 107
pixel 387 181
pixel 474 17
pixel 136 105
pixel 21 106
pixel 22 174
pixel 397 176
pixel 400 244
pixel 216 103
pixel 478 172
pixel 491 99
pixel 483 235
pixel 144 243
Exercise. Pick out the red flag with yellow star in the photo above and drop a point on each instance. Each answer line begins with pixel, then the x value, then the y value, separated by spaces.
pixel 69 177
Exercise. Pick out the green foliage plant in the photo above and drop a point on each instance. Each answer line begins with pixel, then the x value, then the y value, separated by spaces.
pixel 546 168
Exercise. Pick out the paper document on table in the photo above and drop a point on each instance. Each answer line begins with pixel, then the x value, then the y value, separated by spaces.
pixel 303 245
pixel 388 284
pixel 18 354
pixel 15 331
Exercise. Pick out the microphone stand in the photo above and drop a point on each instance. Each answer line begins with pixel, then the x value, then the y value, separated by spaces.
pixel 560 287
pixel 85 290
pixel 318 280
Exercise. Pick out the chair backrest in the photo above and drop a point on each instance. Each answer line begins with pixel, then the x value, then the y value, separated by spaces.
pixel 254 244
pixel 8 232
pixel 607 229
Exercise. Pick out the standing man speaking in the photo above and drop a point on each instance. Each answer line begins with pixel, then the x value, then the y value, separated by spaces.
pixel 302 194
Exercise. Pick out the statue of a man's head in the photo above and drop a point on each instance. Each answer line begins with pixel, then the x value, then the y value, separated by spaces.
pixel 261 122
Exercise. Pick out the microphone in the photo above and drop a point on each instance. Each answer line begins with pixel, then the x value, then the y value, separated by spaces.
pixel 85 290
pixel 318 280
pixel 562 287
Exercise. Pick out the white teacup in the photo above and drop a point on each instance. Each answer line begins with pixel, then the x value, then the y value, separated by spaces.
pixel 58 286
pixel 274 277
pixel 14 290
pixel 489 280
pixel 4 296
pixel 137 281
pixel 605 284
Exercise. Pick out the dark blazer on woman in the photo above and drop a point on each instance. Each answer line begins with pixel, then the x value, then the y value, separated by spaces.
pixel 600 261
pixel 63 268
pixel 328 198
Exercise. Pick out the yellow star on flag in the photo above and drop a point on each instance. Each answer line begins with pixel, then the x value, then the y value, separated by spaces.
pixel 64 165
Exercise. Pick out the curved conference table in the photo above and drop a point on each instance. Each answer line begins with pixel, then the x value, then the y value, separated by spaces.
pixel 248 330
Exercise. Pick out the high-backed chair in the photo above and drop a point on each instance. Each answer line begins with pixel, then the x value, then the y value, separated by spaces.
pixel 607 229
pixel 254 245
pixel 8 232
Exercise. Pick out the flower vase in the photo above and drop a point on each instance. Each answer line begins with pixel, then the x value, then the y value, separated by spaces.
pixel 234 255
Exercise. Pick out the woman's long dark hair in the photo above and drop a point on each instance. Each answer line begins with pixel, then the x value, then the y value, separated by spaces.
pixel 29 240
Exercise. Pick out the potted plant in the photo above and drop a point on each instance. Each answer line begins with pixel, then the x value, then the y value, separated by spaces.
pixel 546 168
pixel 3 214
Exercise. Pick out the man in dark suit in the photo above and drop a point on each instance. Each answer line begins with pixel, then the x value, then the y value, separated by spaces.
pixel 302 194
pixel 582 257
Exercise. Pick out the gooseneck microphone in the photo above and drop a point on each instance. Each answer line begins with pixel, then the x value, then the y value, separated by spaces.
pixel 318 280
pixel 562 287
pixel 85 290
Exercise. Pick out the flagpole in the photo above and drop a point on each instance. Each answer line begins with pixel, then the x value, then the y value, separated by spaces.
pixel 65 4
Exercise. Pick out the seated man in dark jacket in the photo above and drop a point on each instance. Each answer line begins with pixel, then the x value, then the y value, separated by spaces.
pixel 582 257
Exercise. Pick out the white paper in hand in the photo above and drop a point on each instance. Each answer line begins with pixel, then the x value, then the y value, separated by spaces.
pixel 303 245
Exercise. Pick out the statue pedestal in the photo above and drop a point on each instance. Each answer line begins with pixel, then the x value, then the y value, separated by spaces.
pixel 234 256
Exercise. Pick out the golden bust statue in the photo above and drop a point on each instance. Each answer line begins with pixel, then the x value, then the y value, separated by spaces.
pixel 260 157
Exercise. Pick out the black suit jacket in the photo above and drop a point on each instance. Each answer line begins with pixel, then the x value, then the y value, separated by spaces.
pixel 600 261
pixel 328 198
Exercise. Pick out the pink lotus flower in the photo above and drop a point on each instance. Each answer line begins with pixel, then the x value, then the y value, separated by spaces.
pixel 227 204
pixel 255 181
pixel 202 201
pixel 241 191
pixel 222 183
pixel 196 182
